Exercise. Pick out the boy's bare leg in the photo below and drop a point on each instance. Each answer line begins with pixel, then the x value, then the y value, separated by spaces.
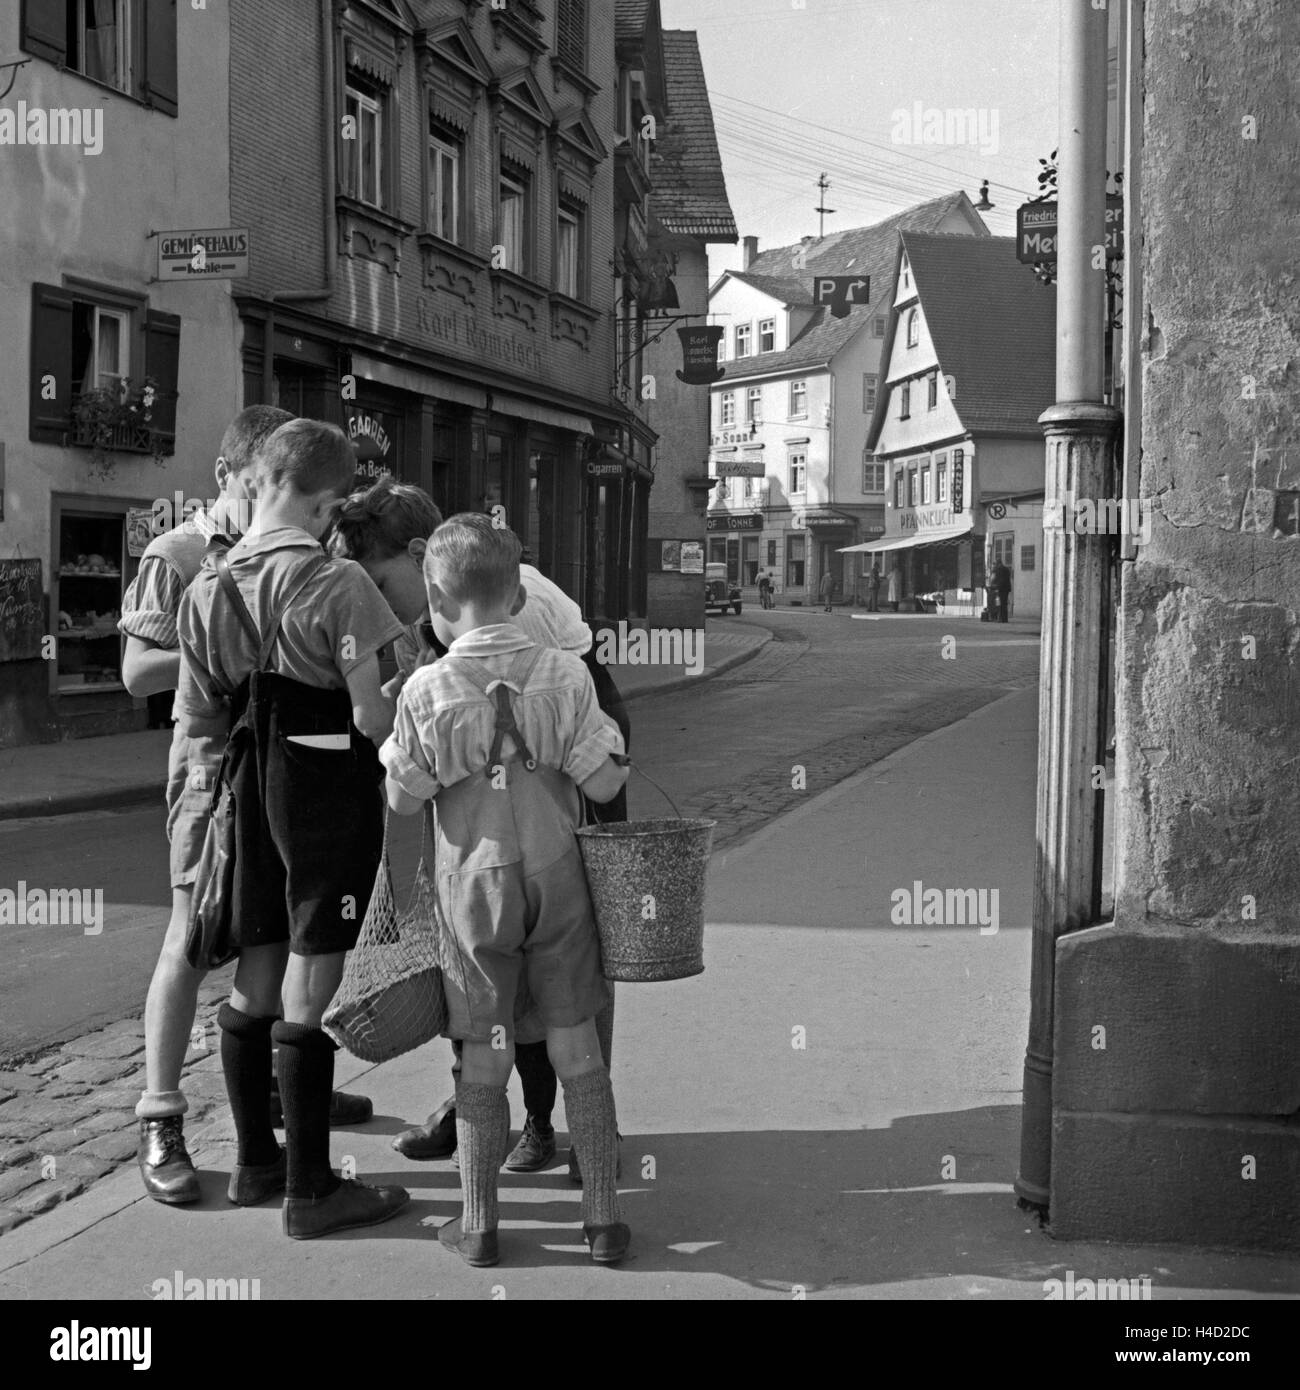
pixel 170 1006
pixel 482 1133
pixel 593 1125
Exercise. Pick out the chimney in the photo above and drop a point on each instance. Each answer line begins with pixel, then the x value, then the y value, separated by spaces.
pixel 751 251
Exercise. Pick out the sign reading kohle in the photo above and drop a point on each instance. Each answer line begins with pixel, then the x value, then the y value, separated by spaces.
pixel 219 253
pixel 1036 231
pixel 841 292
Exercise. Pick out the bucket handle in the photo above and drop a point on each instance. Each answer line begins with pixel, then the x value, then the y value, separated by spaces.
pixel 623 760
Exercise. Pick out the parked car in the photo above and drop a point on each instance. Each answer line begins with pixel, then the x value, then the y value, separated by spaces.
pixel 718 593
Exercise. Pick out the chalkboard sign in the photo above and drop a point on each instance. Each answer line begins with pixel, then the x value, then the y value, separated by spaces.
pixel 22 610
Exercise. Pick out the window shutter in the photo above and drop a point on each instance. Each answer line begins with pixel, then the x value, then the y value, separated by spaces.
pixel 162 353
pixel 45 27
pixel 160 89
pixel 49 420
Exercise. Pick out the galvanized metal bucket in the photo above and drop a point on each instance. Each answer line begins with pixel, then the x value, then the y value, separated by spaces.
pixel 647 888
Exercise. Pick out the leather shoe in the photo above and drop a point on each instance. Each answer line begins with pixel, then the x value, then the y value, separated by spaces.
pixel 436 1138
pixel 251 1183
pixel 608 1244
pixel 535 1149
pixel 345 1110
pixel 165 1165
pixel 478 1248
pixel 351 1204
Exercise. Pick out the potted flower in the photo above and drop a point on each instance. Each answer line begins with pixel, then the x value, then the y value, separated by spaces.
pixel 116 419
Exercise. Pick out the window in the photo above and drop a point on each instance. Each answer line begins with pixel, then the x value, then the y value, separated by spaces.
pixel 873 475
pixel 100 41
pixel 868 392
pixel 570 258
pixel 767 335
pixel 747 488
pixel 798 399
pixel 571 33
pixel 941 478
pixel 878 327
pixel 925 486
pixel 907 276
pixel 771 554
pixel 722 347
pixel 728 407
pixel 1026 557
pixel 363 143
pixel 754 404
pixel 932 391
pixel 913 328
pixel 898 485
pixel 794 561
pixel 129 45
pixel 743 338
pixel 1004 548
pixel 911 487
pixel 798 472
pixel 444 183
pixel 512 222
pixel 905 401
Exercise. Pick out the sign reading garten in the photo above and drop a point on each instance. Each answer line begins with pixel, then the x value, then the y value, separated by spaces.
pixel 22 610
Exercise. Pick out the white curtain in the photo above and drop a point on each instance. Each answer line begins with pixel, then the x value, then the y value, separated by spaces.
pixel 101 41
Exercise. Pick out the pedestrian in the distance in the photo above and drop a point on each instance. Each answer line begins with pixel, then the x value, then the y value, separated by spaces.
pixel 765 589
pixel 826 588
pixel 892 592
pixel 873 590
pixel 1000 587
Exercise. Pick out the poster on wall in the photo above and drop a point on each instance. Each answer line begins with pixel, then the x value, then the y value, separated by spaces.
pixel 670 555
pixel 22 610
pixel 692 557
pixel 139 530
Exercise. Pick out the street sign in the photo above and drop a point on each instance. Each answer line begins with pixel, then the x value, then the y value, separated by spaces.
pixel 219 253
pixel 841 292
pixel 1036 231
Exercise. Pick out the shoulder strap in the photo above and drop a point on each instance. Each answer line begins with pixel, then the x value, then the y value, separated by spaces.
pixel 235 597
pixel 301 580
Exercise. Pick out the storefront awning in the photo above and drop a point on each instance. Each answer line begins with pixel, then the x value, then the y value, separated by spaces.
pixel 940 533
pixel 540 414
pixel 417 381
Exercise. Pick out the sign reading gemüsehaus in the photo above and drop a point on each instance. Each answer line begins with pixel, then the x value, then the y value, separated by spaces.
pixel 219 253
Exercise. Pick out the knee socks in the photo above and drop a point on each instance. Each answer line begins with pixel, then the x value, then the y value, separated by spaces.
pixel 306 1083
pixel 539 1081
pixel 593 1126
pixel 246 1061
pixel 482 1128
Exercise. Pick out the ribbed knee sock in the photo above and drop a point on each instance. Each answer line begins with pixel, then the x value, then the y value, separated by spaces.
pixel 306 1082
pixel 593 1127
pixel 158 1105
pixel 246 1061
pixel 605 1030
pixel 539 1080
pixel 482 1128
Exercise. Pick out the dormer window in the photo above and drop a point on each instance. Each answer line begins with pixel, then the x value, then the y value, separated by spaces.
pixel 767 335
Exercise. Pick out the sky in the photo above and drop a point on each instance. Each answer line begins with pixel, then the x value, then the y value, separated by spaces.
pixel 873 93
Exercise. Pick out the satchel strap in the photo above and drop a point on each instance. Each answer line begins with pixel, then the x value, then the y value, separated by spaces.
pixel 266 644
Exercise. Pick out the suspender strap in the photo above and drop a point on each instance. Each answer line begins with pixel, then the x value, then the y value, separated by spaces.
pixel 266 644
pixel 518 673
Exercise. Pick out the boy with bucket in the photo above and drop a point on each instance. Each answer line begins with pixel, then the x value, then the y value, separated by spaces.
pixel 385 529
pixel 509 875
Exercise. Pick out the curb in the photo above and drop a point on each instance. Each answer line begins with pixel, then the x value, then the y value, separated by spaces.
pixel 145 793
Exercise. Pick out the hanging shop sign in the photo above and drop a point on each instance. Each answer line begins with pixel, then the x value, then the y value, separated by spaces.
pixel 219 253
pixel 1036 231
pixel 738 468
pixel 959 485
pixel 700 354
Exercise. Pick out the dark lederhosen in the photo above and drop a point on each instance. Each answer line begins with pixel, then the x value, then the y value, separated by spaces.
pixel 309 821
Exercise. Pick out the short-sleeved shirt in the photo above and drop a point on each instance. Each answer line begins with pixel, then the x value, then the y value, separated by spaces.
pixel 445 723
pixel 167 568
pixel 549 617
pixel 336 623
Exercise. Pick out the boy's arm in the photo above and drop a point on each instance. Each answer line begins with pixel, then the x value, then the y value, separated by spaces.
pixel 151 662
pixel 201 709
pixel 605 783
pixel 409 762
pixel 148 669
pixel 372 710
pixel 595 739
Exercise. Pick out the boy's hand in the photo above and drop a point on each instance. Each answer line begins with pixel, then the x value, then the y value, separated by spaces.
pixel 372 712
pixel 605 783
pixel 393 688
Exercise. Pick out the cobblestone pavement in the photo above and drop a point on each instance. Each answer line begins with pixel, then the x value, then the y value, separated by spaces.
pixel 821 701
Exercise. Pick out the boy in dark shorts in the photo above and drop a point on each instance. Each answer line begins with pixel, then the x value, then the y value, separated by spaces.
pixel 509 875
pixel 302 765
pixel 151 666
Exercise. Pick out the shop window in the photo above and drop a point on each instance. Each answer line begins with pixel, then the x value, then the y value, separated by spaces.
pixel 129 45
pixel 754 405
pixel 873 475
pixel 744 338
pixel 794 561
pixel 570 261
pixel 717 550
pixel 728 407
pixel 513 219
pixel 446 163
pixel 868 392
pixel 85 340
pixel 913 327
pixel 798 400
pixel 905 401
pixel 749 560
pixel 798 473
pixel 767 335
pixel 90 574
pixel 364 165
pixel 1026 557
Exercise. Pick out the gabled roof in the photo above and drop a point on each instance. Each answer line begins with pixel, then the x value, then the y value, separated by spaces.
pixel 690 193
pixel 871 251
pixel 993 325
